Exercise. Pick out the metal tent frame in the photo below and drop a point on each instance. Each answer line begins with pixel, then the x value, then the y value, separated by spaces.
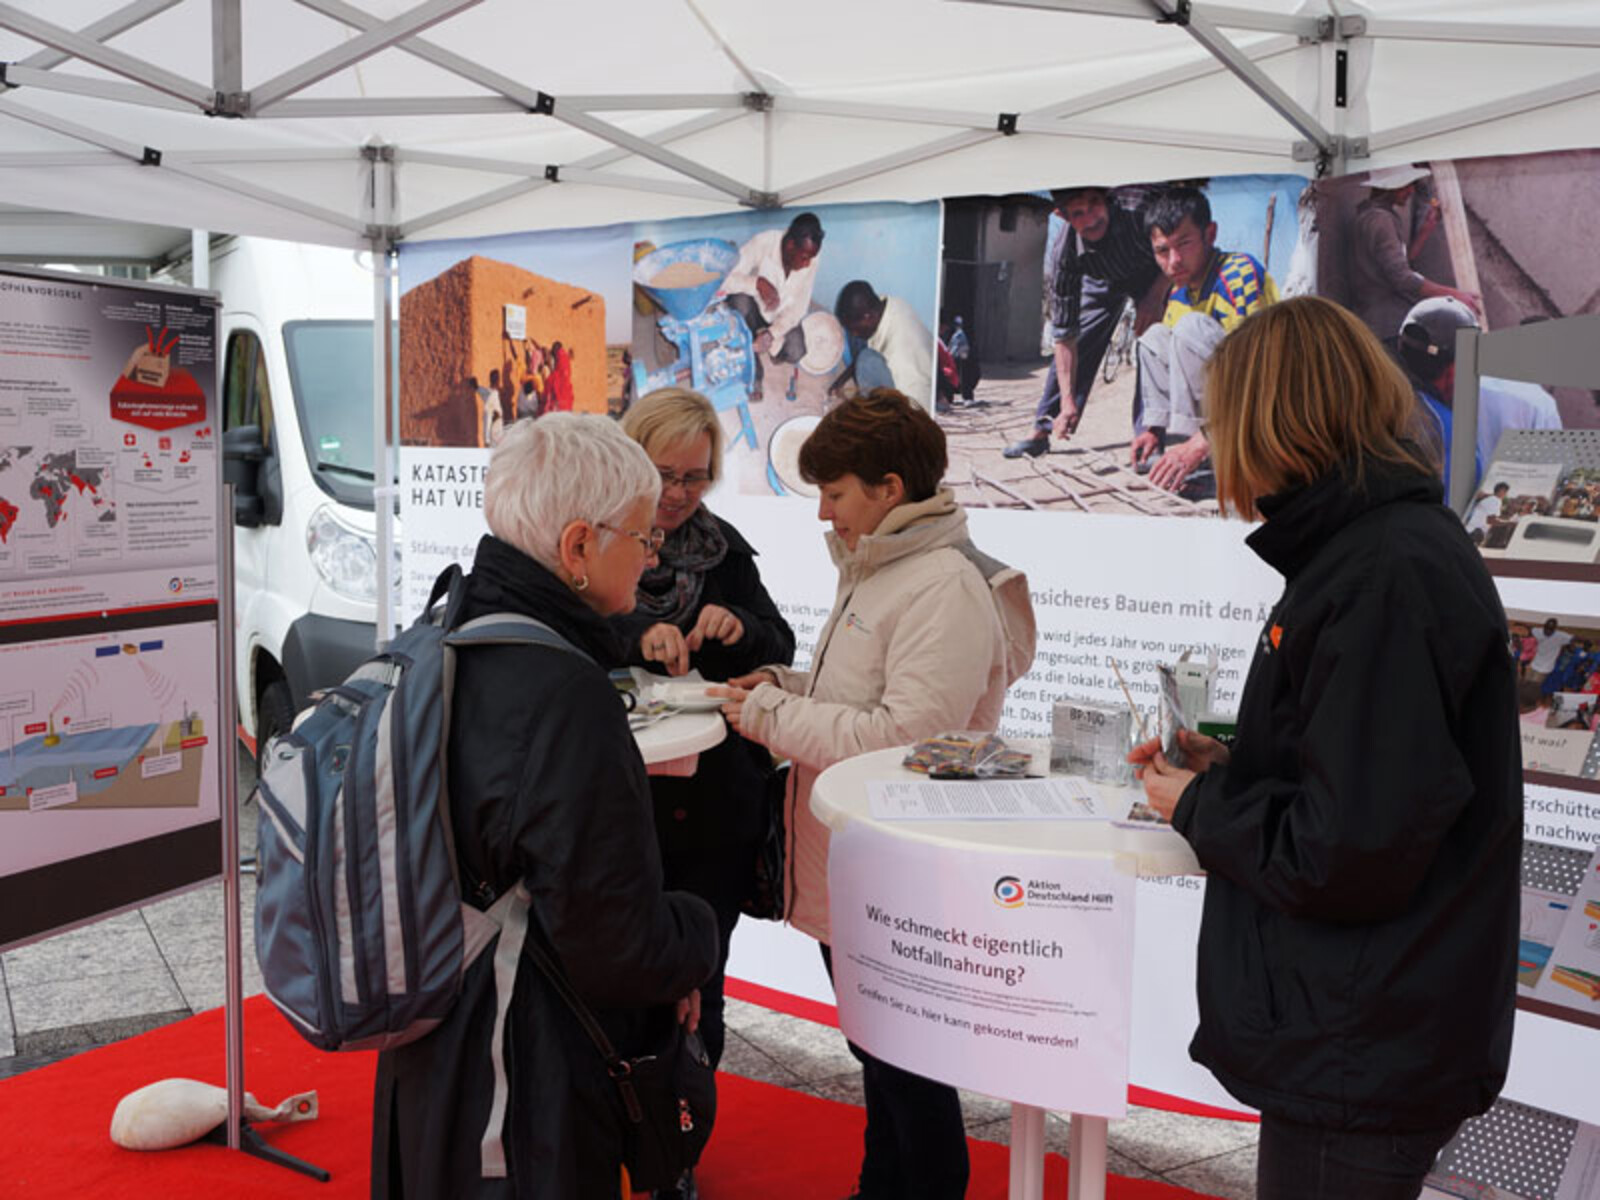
pixel 1318 129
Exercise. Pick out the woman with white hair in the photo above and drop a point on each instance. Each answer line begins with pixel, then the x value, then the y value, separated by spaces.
pixel 547 789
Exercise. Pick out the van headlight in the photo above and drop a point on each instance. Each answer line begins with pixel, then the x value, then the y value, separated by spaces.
pixel 345 557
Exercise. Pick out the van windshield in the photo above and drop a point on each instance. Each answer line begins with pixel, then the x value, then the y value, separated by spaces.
pixel 330 369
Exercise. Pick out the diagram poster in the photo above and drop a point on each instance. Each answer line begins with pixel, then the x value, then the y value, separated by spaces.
pixel 109 552
pixel 1001 972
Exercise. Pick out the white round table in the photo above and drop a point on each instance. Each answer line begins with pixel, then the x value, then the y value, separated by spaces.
pixel 672 745
pixel 839 797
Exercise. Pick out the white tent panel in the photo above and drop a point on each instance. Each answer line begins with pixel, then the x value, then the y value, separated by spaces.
pixel 897 99
pixel 133 193
pixel 85 239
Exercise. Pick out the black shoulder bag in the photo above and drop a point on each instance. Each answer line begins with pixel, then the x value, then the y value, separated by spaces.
pixel 765 899
pixel 670 1096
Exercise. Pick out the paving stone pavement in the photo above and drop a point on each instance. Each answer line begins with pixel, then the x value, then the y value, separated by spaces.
pixel 135 971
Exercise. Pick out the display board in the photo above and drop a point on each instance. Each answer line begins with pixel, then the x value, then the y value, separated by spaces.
pixel 109 501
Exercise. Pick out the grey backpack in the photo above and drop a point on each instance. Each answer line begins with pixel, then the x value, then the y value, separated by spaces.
pixel 362 932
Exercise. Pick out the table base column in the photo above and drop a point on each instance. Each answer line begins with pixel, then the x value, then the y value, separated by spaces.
pixel 1086 1170
pixel 1027 1153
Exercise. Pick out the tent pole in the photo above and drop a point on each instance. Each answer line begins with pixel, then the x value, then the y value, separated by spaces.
pixel 380 193
pixel 100 89
pixel 948 144
pixel 1253 77
pixel 154 159
pixel 376 37
pixel 1232 18
pixel 656 101
pixel 117 62
pixel 103 30
pixel 236 1132
pixel 1493 110
pixel 1494 33
pixel 728 51
pixel 227 47
pixel 523 186
pixel 768 147
pixel 535 101
pixel 1205 66
pixel 200 258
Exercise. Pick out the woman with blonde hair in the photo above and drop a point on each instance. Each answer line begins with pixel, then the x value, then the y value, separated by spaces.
pixel 1362 836
pixel 702 606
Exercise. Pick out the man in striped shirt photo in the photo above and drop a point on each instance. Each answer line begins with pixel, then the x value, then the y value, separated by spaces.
pixel 1212 291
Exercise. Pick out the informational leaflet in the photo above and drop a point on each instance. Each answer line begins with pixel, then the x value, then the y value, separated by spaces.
pixel 1004 972
pixel 1551 878
pixel 1571 975
pixel 1056 798
pixel 108 465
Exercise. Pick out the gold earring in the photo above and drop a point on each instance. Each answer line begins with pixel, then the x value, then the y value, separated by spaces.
pixel 580 583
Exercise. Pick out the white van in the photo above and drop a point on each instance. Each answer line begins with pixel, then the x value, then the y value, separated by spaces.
pixel 298 447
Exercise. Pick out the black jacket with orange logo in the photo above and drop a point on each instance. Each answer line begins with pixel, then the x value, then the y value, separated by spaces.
pixel 1358 947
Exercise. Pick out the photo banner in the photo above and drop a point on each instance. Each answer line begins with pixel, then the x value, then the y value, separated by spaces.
pixel 1113 517
pixel 496 330
pixel 1000 972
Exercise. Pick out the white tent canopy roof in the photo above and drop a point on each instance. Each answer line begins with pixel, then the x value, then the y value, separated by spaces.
pixel 275 117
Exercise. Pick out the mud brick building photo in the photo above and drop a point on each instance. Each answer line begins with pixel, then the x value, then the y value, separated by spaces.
pixel 463 325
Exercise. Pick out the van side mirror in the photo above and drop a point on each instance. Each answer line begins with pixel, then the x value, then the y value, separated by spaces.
pixel 242 455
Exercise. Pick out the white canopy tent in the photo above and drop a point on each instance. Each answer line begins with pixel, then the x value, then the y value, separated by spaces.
pixel 368 124
pixel 276 117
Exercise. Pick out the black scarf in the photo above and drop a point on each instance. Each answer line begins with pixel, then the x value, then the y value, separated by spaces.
pixel 670 590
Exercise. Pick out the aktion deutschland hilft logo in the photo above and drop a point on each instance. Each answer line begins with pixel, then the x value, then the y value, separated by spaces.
pixel 1009 892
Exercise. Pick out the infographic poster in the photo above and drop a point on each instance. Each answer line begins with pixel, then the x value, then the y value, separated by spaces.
pixel 110 509
pixel 108 464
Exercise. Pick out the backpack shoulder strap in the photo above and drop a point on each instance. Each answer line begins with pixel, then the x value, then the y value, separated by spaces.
pixel 511 629
pixel 451 587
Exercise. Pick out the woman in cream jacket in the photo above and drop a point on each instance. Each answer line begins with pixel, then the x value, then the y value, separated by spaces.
pixel 925 635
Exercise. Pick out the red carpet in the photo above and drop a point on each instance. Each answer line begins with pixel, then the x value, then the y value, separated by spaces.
pixel 54 1122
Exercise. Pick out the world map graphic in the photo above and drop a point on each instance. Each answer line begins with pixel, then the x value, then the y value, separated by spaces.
pixel 51 480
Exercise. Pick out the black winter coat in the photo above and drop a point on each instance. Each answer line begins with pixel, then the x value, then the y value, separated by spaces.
pixel 1358 946
pixel 719 806
pixel 546 786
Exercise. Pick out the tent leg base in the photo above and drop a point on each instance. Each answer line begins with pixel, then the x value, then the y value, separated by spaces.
pixel 252 1143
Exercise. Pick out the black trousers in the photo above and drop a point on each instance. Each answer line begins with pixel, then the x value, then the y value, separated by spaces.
pixel 721 876
pixel 1301 1162
pixel 916 1143
pixel 793 347
pixel 1100 306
